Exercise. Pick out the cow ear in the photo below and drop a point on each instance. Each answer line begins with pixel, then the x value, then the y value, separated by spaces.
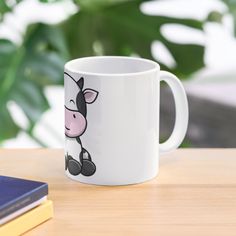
pixel 90 95
pixel 80 83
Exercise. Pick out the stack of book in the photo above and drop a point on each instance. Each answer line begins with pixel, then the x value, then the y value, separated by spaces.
pixel 23 205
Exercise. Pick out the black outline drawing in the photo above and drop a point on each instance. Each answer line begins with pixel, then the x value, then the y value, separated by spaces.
pixel 86 166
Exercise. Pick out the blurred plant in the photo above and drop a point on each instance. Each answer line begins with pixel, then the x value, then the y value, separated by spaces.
pixel 232 10
pixel 102 27
pixel 24 71
pixel 216 16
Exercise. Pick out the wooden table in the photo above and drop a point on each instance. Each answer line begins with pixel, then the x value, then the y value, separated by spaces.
pixel 194 194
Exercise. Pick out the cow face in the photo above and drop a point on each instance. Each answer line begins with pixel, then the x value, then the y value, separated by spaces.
pixel 76 100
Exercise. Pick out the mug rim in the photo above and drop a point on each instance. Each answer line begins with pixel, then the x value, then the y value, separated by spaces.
pixel 155 66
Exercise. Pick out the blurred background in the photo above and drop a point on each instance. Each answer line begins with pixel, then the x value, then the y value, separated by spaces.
pixel 195 39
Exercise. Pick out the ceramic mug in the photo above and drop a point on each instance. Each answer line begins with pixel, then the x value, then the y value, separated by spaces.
pixel 112 119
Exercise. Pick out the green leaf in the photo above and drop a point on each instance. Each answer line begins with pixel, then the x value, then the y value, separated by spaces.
pixel 122 29
pixel 7 6
pixel 26 70
pixel 4 7
pixel 91 5
pixel 7 54
pixel 189 58
pixel 49 1
pixel 31 99
pixel 8 128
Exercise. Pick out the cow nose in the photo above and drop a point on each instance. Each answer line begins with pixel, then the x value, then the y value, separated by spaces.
pixel 71 116
pixel 75 123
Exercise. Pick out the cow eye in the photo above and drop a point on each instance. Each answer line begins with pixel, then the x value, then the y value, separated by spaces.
pixel 72 101
pixel 74 116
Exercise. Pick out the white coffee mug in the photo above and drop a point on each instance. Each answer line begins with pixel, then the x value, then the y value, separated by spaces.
pixel 112 119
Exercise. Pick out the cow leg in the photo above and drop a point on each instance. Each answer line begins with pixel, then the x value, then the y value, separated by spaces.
pixel 88 167
pixel 73 166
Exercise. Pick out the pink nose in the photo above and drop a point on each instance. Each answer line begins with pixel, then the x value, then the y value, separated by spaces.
pixel 75 123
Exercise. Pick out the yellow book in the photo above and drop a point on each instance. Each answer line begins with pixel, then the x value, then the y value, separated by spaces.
pixel 28 220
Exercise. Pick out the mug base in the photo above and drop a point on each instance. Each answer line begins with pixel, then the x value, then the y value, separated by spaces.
pixel 113 183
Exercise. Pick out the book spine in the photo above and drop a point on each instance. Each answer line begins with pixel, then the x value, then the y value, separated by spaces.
pixel 29 220
pixel 25 200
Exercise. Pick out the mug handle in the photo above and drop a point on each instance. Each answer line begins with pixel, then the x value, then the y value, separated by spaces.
pixel 181 111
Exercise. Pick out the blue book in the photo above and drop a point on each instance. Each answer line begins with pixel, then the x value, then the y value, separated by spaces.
pixel 16 194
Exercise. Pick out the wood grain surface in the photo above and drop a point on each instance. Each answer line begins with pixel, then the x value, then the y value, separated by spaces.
pixel 194 194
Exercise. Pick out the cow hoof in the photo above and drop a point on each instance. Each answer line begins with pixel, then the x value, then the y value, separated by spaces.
pixel 88 168
pixel 74 167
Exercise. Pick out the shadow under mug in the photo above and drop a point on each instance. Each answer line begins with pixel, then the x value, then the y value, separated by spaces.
pixel 112 119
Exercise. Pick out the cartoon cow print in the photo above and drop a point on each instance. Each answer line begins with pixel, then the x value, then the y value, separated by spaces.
pixel 77 159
